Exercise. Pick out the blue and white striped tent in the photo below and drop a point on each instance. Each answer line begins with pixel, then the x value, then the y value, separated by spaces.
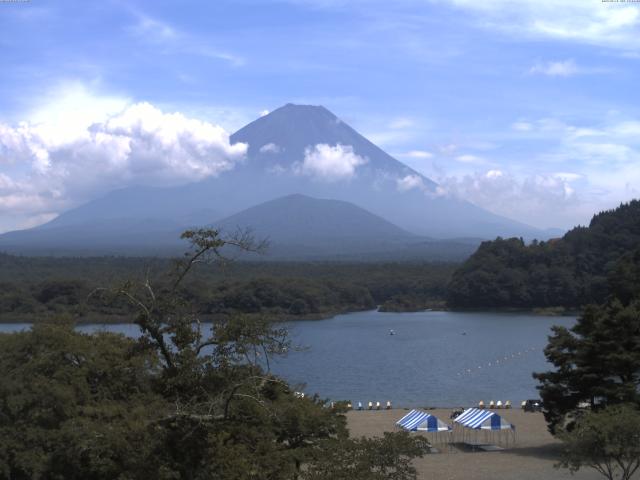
pixel 417 420
pixel 479 419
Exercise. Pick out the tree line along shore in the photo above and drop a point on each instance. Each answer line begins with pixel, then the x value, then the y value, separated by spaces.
pixel 36 288
pixel 552 277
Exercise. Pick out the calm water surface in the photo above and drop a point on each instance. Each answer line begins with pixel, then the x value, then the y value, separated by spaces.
pixel 434 358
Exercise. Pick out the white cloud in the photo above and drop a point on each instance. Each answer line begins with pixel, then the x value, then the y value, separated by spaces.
pixel 577 170
pixel 417 154
pixel 401 123
pixel 448 149
pixel 603 152
pixel 627 129
pixel 494 174
pixel 522 126
pixel 68 157
pixel 277 169
pixel 389 138
pixel 409 182
pixel 270 148
pixel 608 144
pixel 529 199
pixel 565 68
pixel 474 159
pixel 592 22
pixel 568 176
pixel 175 42
pixel 153 29
pixel 330 163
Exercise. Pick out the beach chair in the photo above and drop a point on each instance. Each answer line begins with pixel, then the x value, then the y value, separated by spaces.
pixel 523 404
pixel 377 405
pixel 359 405
pixel 370 405
pixel 388 405
pixel 480 404
pixel 492 404
pixel 349 406
pixel 507 404
pixel 499 404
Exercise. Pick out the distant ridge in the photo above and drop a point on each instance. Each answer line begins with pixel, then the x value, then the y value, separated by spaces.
pixel 295 148
pixel 315 226
pixel 301 227
pixel 302 219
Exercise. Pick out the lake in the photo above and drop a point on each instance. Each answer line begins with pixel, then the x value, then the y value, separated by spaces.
pixel 434 358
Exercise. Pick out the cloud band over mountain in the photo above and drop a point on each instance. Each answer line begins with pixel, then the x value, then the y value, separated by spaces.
pixel 47 171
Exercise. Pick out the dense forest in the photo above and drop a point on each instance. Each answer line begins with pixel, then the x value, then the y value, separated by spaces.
pixel 36 288
pixel 568 272
pixel 179 402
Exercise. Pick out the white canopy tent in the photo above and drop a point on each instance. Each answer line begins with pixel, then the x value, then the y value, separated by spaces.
pixel 477 426
pixel 419 421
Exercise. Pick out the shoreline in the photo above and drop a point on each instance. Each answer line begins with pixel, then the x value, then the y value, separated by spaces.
pixel 532 457
pixel 321 316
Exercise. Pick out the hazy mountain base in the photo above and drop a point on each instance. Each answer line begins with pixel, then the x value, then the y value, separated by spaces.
pixel 297 227
pixel 143 220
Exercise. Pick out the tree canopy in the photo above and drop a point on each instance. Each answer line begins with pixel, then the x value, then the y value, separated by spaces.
pixel 597 361
pixel 568 272
pixel 36 289
pixel 184 401
pixel 607 441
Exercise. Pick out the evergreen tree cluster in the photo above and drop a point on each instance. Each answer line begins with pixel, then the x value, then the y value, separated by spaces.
pixel 592 395
pixel 568 272
pixel 597 361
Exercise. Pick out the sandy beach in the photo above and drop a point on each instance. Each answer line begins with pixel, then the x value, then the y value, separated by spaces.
pixel 531 458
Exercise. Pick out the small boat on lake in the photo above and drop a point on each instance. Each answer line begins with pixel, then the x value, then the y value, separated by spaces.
pixel 391 331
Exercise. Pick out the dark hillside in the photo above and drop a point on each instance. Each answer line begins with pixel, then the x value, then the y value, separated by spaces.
pixel 568 272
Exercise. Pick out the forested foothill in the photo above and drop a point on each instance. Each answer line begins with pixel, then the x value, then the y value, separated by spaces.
pixel 568 272
pixel 592 395
pixel 35 288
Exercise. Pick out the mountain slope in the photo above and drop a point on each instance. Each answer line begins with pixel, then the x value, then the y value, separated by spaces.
pixel 281 138
pixel 308 221
pixel 294 149
pixel 279 144
pixel 301 227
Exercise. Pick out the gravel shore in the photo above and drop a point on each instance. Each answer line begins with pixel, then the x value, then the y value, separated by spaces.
pixel 531 458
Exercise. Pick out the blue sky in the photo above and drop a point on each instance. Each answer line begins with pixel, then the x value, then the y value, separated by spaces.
pixel 528 108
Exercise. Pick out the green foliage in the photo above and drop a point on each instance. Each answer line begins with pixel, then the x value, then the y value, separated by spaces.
pixel 568 272
pixel 181 402
pixel 73 406
pixel 624 280
pixel 40 288
pixel 388 457
pixel 607 441
pixel 596 361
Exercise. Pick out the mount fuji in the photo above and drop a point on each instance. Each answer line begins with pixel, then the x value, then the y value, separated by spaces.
pixel 295 150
